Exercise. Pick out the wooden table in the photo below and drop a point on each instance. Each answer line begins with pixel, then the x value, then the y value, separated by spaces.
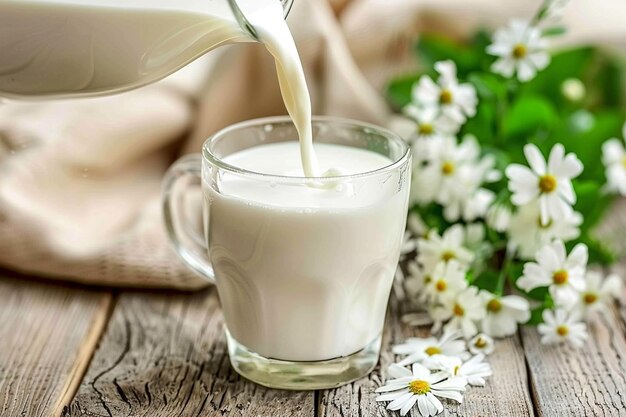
pixel 75 351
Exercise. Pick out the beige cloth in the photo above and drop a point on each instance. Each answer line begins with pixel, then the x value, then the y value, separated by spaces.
pixel 80 179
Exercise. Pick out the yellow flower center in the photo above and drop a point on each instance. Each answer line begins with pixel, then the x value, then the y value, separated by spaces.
pixel 520 51
pixel 590 298
pixel 624 161
pixel 544 226
pixel 447 255
pixel 494 305
pixel 441 285
pixel 432 350
pixel 480 343
pixel 456 369
pixel 445 97
pixel 419 387
pixel 458 310
pixel 447 168
pixel 547 183
pixel 425 129
pixel 562 330
pixel 560 277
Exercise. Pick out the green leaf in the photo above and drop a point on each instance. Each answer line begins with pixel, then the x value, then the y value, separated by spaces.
pixel 610 83
pixel 536 316
pixel 527 115
pixel 436 47
pixel 538 294
pixel 487 280
pixel 482 125
pixel 554 31
pixel 488 86
pixel 399 90
pixel 587 144
pixel 572 63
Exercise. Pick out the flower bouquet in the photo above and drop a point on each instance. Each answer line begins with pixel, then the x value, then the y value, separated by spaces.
pixel 517 158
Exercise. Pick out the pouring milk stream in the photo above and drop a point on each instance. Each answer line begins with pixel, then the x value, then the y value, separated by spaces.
pixel 90 47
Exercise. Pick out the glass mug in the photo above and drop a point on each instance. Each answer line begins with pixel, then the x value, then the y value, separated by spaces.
pixel 303 287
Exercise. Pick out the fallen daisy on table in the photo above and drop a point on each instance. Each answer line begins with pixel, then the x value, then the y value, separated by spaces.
pixel 474 370
pixel 461 312
pixel 418 349
pixel 562 327
pixel 503 314
pixel 481 343
pixel 447 280
pixel 422 387
pixel 598 294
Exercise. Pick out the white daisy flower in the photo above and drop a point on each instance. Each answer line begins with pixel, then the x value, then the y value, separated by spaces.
pixel 559 327
pixel 481 343
pixel 503 314
pixel 417 349
pixel 527 234
pixel 598 294
pixel 440 178
pixel 614 159
pixel 550 184
pixel 452 176
pixel 520 49
pixel 563 273
pixel 419 387
pixel 461 312
pixel 474 370
pixel 498 217
pixel 446 280
pixel 434 249
pixel 430 124
pixel 455 100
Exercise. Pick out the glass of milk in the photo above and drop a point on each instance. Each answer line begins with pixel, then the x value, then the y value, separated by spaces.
pixel 303 266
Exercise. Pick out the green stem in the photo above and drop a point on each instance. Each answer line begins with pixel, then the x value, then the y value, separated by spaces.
pixel 504 271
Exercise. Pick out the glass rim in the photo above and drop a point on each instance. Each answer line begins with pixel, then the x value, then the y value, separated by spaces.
pixel 330 120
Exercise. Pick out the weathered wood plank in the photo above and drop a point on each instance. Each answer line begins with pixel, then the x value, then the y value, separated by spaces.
pixel 47 336
pixel 505 394
pixel 590 381
pixel 165 355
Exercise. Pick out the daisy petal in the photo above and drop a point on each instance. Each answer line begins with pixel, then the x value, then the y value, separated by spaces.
pixel 409 404
pixel 398 371
pixel 535 158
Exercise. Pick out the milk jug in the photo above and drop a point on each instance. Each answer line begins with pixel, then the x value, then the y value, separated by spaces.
pixel 91 47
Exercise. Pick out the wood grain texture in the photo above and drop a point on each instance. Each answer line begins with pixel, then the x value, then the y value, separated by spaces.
pixel 590 381
pixel 505 394
pixel 47 336
pixel 165 355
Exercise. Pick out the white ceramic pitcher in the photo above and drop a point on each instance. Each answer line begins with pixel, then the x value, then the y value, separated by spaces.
pixel 93 47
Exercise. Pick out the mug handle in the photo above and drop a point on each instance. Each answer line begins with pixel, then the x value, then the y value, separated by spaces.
pixel 188 243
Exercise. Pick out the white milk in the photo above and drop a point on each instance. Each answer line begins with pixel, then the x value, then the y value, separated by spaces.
pixel 82 47
pixel 304 273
